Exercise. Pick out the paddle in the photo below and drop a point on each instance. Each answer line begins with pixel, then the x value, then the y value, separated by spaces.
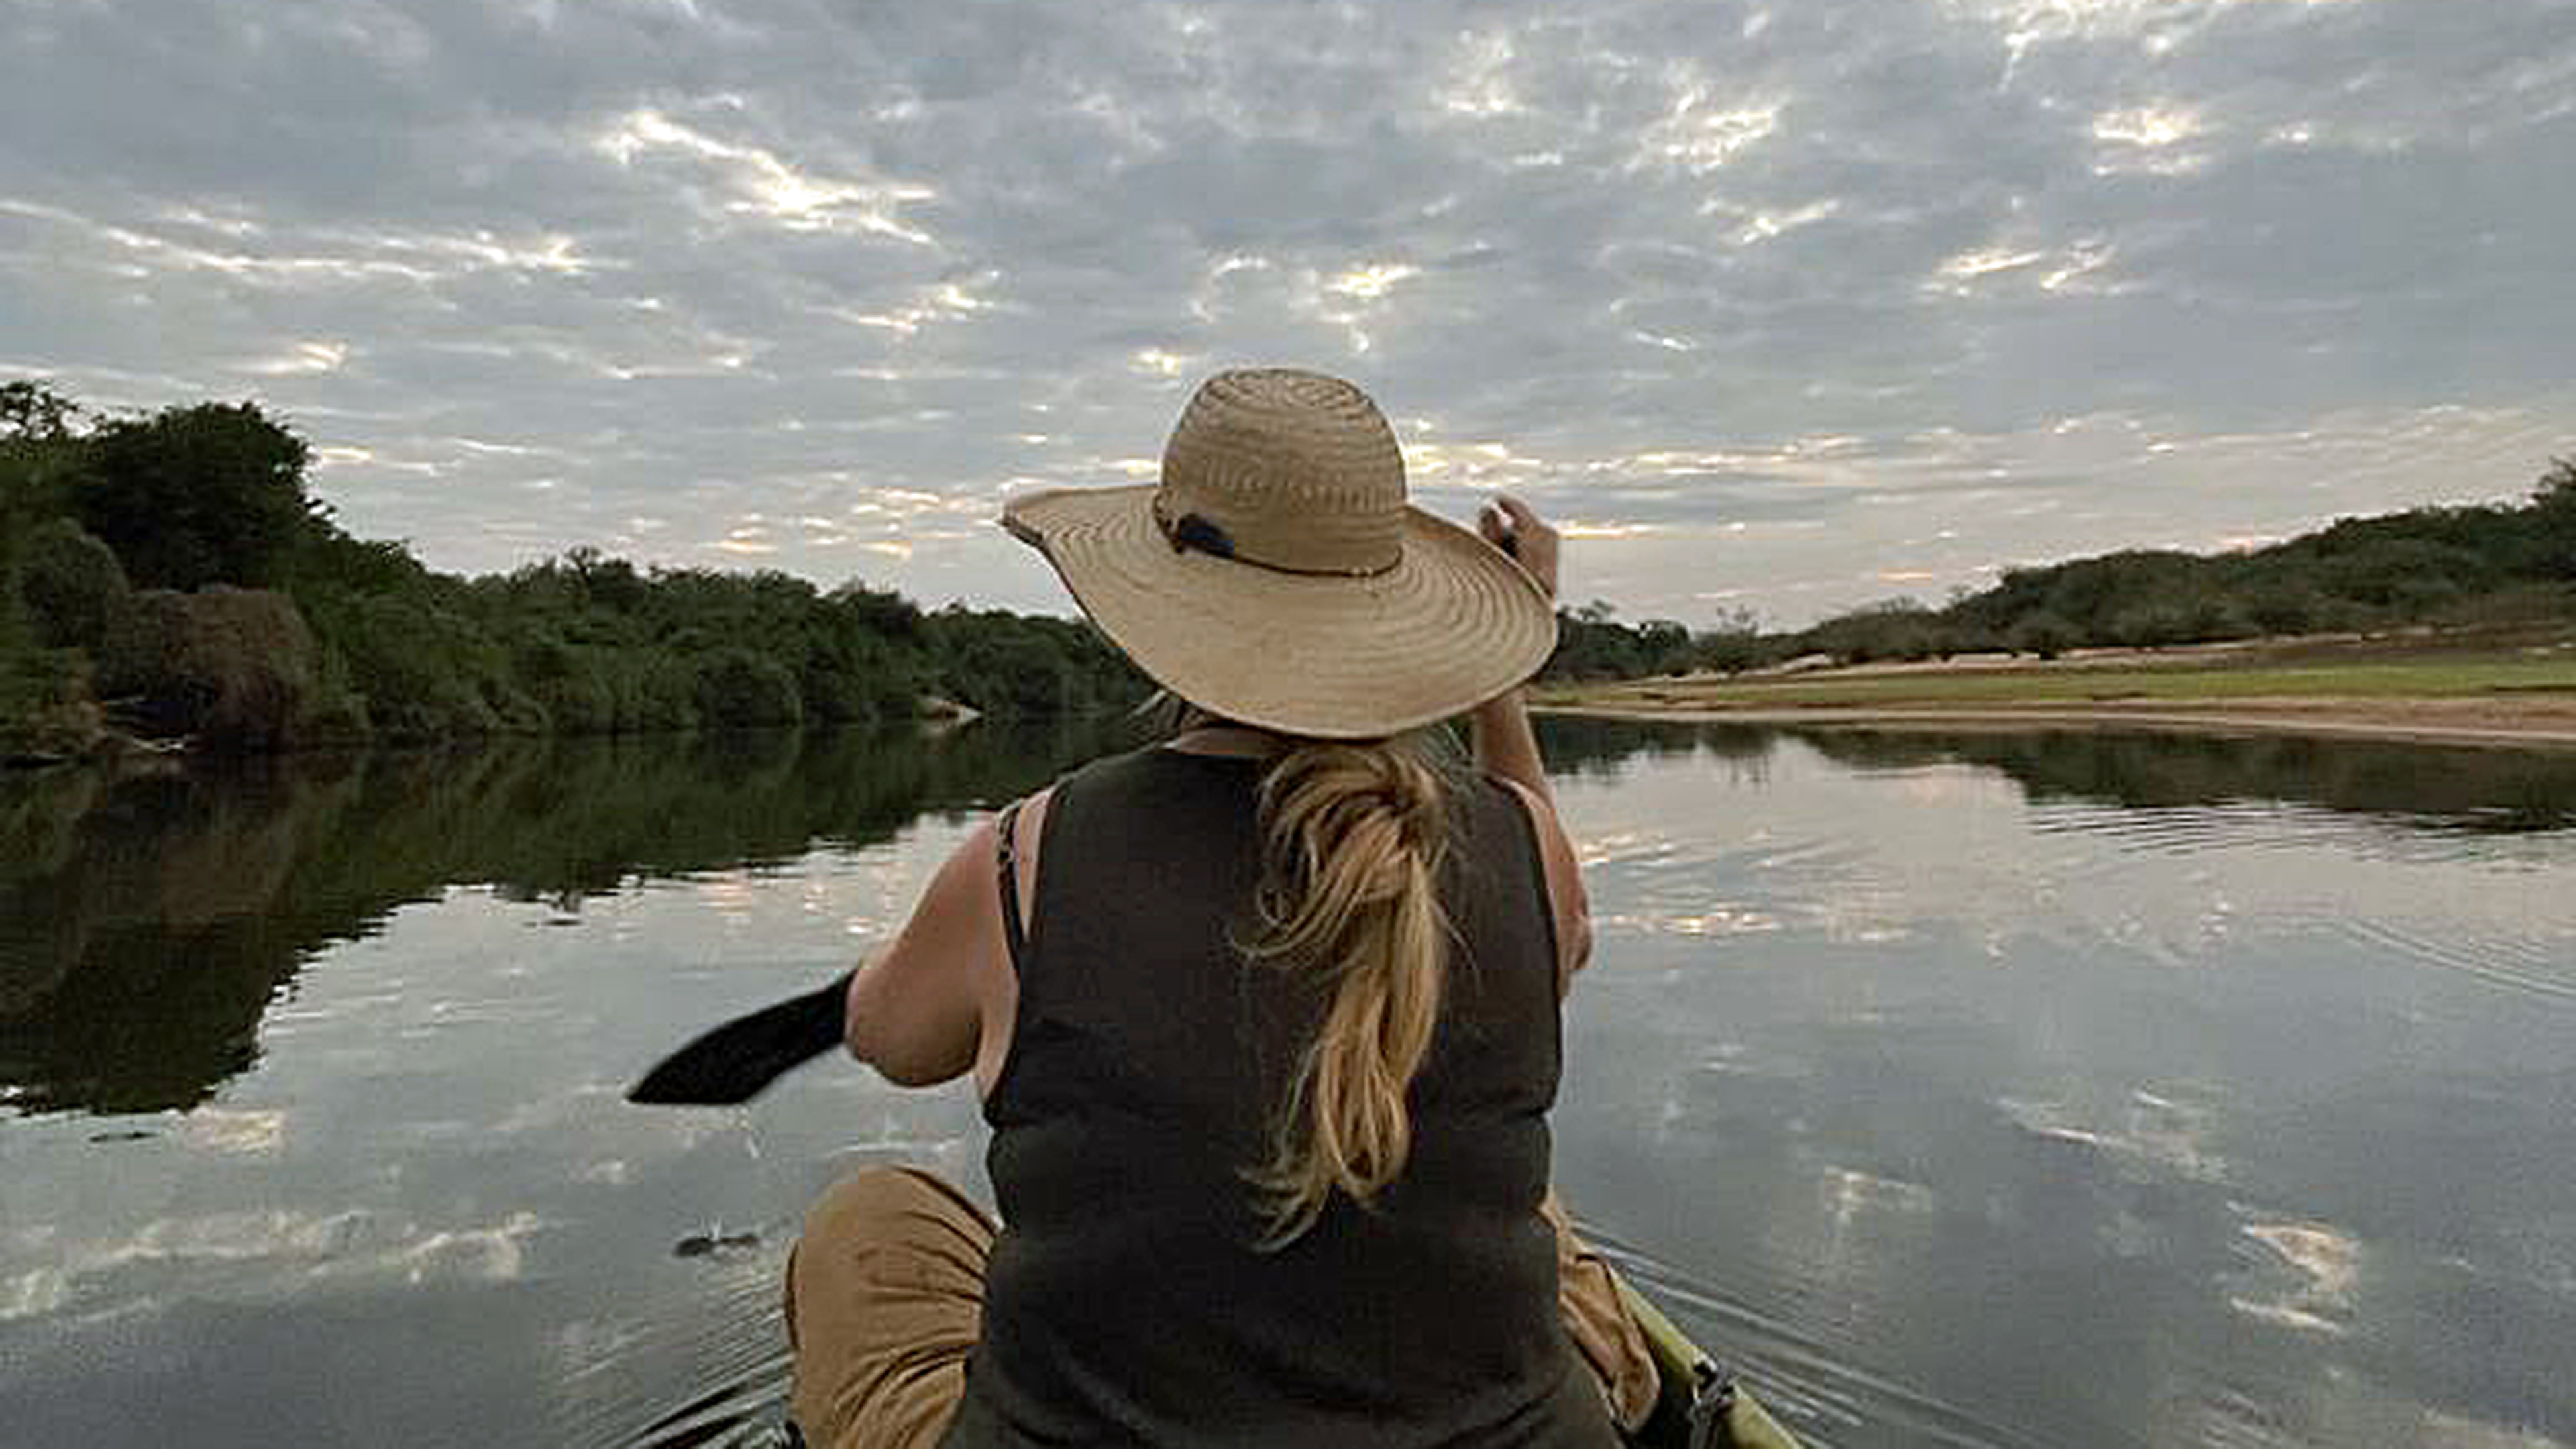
pixel 735 1062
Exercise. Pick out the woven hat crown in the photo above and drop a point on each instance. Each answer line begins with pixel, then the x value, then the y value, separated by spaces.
pixel 1286 469
pixel 1274 574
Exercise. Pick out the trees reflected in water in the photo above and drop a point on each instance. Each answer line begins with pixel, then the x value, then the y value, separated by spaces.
pixel 2415 787
pixel 148 921
pixel 2410 786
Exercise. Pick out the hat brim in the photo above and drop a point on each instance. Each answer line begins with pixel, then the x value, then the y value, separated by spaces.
pixel 1454 623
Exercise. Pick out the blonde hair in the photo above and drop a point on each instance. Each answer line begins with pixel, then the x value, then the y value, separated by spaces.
pixel 1353 835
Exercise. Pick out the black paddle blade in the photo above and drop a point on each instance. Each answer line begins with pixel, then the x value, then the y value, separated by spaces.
pixel 734 1062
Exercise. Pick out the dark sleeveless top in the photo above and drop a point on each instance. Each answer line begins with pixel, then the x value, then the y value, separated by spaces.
pixel 1126 1301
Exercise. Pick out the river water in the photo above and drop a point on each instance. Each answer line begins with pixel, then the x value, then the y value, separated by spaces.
pixel 1993 1089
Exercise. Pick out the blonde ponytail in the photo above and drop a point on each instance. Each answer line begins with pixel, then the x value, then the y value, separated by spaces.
pixel 1353 836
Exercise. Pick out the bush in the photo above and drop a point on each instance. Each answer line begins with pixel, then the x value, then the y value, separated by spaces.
pixel 1897 629
pixel 2149 626
pixel 2041 633
pixel 2210 618
pixel 326 558
pixel 739 688
pixel 2404 573
pixel 663 695
pixel 421 671
pixel 1732 651
pixel 234 667
pixel 72 585
pixel 2285 610
pixel 570 684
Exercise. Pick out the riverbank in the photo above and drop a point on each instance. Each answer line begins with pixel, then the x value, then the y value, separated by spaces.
pixel 2522 699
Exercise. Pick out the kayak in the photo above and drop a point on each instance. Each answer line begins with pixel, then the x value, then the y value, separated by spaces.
pixel 1697 1405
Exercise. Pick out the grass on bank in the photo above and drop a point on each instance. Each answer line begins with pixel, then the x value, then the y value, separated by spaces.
pixel 2501 679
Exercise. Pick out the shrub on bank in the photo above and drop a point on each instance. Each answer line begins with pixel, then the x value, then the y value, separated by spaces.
pixel 2041 633
pixel 424 673
pixel 235 668
pixel 738 688
pixel 575 686
pixel 71 584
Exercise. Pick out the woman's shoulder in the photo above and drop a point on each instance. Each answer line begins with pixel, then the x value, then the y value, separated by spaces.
pixel 1515 801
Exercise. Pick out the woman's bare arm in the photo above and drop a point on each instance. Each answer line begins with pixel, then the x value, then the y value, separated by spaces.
pixel 1507 748
pixel 939 999
pixel 1500 726
pixel 914 1011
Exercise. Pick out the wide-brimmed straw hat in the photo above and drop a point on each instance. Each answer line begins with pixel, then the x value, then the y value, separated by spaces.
pixel 1276 576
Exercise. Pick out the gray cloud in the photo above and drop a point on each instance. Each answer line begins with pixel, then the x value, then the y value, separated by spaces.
pixel 1793 306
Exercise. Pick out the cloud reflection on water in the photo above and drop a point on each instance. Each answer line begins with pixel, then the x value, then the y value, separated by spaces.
pixel 2210 1080
pixel 1950 1117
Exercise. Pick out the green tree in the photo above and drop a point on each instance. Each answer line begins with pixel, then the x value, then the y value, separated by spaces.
pixel 423 670
pixel 192 496
pixel 737 687
pixel 34 412
pixel 1592 644
pixel 1734 645
pixel 37 452
pixel 2042 633
pixel 1892 629
pixel 327 558
pixel 1664 646
pixel 2554 506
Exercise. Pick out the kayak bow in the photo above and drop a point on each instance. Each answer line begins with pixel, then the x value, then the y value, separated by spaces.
pixel 1697 1405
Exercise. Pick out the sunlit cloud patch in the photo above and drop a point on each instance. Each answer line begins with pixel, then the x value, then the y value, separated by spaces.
pixel 1788 307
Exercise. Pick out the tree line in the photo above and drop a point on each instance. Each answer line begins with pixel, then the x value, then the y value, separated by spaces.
pixel 2447 567
pixel 171 575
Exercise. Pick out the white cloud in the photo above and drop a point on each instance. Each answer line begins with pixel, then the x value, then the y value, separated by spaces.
pixel 1369 282
pixel 1832 275
pixel 1704 131
pixel 2151 139
pixel 304 357
pixel 765 185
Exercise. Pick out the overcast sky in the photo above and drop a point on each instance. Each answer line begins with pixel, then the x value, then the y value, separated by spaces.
pixel 1789 306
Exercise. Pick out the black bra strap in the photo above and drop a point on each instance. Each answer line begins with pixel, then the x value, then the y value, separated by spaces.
pixel 1008 858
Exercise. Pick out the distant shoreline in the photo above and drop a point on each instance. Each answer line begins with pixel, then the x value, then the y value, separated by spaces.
pixel 2488 723
pixel 2416 688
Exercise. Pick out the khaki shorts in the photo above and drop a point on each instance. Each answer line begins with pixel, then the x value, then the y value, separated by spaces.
pixel 886 1290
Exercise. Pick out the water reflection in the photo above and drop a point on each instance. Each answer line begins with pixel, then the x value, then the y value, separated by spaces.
pixel 1973 1089
pixel 2004 1096
pixel 147 922
pixel 2427 787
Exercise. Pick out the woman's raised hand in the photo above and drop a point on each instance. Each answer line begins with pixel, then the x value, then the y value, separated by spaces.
pixel 1510 525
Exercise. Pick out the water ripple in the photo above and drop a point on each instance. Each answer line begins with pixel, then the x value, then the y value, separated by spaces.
pixel 1815 1387
pixel 716 1334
